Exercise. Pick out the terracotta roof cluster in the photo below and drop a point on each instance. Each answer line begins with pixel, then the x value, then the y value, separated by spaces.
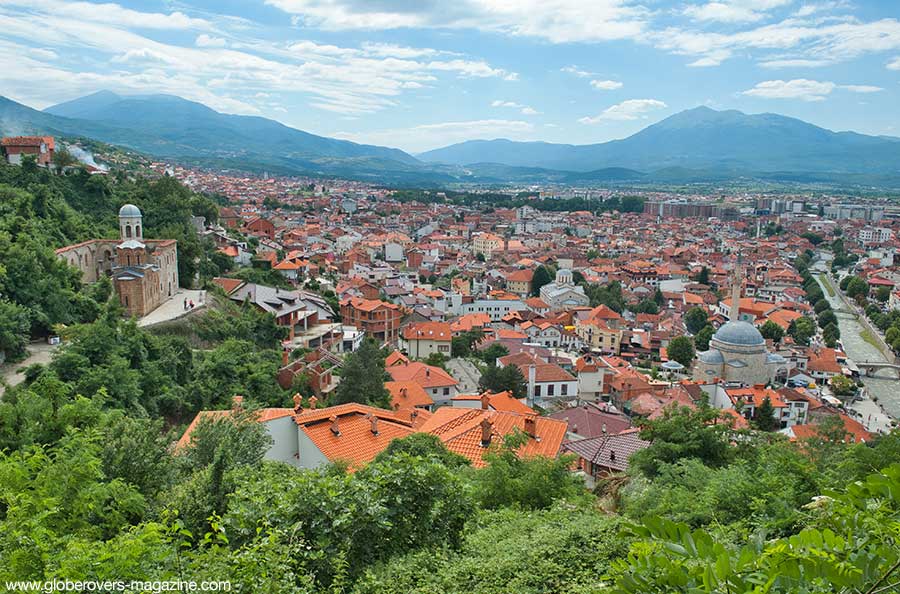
pixel 427 376
pixel 462 431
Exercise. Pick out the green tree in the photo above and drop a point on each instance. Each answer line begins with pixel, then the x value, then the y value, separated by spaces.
pixel 883 294
pixel 701 340
pixel 492 353
pixel 764 419
pixel 499 379
pixel 695 319
pixel 681 349
pixel 15 325
pixel 511 480
pixel 827 317
pixel 683 433
pixel 856 287
pixel 362 377
pixel 772 331
pixel 542 276
pixel 861 555
pixel 436 360
pixel 842 386
pixel 801 330
pixel 703 276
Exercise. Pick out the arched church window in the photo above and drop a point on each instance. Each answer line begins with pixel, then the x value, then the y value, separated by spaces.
pixel 137 231
pixel 127 230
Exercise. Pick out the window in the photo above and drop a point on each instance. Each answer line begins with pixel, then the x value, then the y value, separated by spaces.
pixel 551 389
pixel 564 390
pixel 446 391
pixel 127 230
pixel 537 390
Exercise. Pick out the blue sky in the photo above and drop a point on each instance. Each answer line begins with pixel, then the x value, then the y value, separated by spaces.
pixel 419 74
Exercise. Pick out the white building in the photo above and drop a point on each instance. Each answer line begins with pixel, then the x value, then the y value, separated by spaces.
pixel 563 293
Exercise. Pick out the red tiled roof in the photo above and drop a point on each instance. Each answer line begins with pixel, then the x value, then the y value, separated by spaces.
pixel 437 331
pixel 427 376
pixel 408 394
pixel 460 431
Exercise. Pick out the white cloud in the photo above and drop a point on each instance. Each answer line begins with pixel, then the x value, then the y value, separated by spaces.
pixel 558 21
pixel 633 109
pixel 713 58
pixel 861 88
pixel 112 14
pixel 523 109
pixel 204 40
pixel 576 71
pixel 824 40
pixel 347 80
pixel 793 63
pixel 428 136
pixel 800 88
pixel 606 85
pixel 894 64
pixel 733 11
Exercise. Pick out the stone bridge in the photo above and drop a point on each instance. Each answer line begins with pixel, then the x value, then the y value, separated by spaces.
pixel 870 367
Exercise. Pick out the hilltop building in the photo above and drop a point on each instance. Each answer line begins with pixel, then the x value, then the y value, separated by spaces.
pixel 16 148
pixel 144 273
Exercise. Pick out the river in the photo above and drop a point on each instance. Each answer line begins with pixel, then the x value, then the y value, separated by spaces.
pixel 884 385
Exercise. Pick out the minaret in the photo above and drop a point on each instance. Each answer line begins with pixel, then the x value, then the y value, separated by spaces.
pixel 736 292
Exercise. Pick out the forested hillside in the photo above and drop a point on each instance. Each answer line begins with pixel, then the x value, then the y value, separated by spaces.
pixel 92 488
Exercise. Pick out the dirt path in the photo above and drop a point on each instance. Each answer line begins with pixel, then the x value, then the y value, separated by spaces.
pixel 38 352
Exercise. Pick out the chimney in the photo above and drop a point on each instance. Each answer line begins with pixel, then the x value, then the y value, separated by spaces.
pixel 603 428
pixel 237 403
pixel 413 414
pixel 298 403
pixel 313 401
pixel 486 430
pixel 334 426
pixel 403 392
pixel 531 426
pixel 374 424
pixel 427 372
pixel 575 428
pixel 284 358
pixel 485 401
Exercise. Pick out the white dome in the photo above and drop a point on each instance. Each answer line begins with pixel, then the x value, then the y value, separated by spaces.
pixel 740 333
pixel 129 210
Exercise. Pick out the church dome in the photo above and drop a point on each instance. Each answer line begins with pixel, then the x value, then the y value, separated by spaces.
pixel 129 210
pixel 739 333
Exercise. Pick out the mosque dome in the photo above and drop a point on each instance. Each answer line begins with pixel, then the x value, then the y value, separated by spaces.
pixel 739 333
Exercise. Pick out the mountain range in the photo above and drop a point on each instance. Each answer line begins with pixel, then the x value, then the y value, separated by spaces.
pixel 696 145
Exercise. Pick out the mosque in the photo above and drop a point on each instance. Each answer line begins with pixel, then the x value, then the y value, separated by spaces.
pixel 143 272
pixel 737 351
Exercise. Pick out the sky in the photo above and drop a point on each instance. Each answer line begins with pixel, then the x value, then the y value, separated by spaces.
pixel 421 74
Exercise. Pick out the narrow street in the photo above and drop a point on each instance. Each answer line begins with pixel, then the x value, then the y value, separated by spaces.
pixel 466 374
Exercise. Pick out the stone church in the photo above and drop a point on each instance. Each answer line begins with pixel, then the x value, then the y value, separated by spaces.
pixel 144 273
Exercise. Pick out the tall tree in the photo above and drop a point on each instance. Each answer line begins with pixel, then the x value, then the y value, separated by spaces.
pixel 695 319
pixel 765 420
pixel 681 349
pixel 541 277
pixel 702 338
pixel 363 376
pixel 771 330
pixel 499 379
